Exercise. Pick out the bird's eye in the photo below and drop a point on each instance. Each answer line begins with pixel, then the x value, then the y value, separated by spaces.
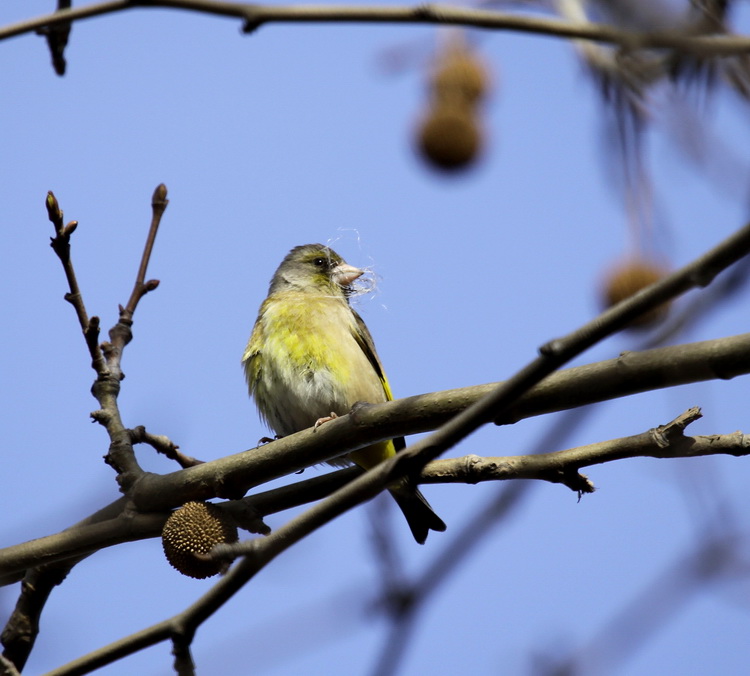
pixel 320 262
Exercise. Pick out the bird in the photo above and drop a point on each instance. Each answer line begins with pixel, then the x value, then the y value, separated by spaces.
pixel 310 357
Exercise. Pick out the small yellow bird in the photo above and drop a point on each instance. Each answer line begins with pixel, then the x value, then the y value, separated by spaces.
pixel 310 356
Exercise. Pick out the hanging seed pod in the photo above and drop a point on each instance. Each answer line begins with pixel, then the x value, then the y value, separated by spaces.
pixel 449 136
pixel 628 278
pixel 459 74
pixel 196 528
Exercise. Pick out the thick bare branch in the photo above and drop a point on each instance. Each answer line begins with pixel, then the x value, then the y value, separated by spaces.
pixel 23 625
pixel 22 628
pixel 631 372
pixel 232 476
pixel 7 668
pixel 501 404
pixel 556 467
pixel 117 523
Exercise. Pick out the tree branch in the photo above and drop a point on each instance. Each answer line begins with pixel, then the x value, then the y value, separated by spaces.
pixel 555 467
pixel 121 334
pixel 562 467
pixel 57 40
pixel 60 244
pixel 163 445
pixel 665 441
pixel 437 14
pixel 159 204
pixel 22 628
pixel 117 523
pixel 232 476
pixel 23 625
pixel 630 373
pixel 121 455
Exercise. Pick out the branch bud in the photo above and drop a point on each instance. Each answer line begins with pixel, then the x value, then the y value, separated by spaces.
pixel 69 229
pixel 53 210
pixel 160 196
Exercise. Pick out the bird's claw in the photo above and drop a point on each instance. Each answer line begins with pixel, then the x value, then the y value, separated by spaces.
pixel 328 418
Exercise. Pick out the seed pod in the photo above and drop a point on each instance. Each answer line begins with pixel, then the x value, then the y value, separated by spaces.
pixel 449 136
pixel 196 528
pixel 459 74
pixel 628 278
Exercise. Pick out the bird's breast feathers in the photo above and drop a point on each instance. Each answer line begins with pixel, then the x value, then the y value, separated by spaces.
pixel 304 361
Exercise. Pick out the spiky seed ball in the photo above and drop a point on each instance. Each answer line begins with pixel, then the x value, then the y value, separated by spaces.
pixel 449 136
pixel 459 75
pixel 628 278
pixel 196 527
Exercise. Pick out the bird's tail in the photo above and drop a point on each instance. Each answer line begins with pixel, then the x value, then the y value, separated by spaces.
pixel 417 510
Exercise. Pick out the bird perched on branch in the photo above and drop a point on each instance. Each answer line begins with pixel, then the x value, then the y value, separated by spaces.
pixel 310 356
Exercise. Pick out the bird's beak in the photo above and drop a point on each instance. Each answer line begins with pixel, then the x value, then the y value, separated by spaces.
pixel 344 274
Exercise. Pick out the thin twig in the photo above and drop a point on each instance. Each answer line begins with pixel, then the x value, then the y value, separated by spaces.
pixel 117 650
pixel 163 445
pixel 121 333
pixel 666 441
pixel 562 466
pixel 121 455
pixel 60 244
pixel 159 204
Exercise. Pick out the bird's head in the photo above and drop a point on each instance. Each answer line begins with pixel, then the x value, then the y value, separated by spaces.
pixel 315 268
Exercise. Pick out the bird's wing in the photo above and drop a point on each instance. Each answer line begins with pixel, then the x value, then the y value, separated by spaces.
pixel 365 341
pixel 251 358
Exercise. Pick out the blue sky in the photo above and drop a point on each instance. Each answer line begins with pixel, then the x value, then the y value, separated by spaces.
pixel 298 134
